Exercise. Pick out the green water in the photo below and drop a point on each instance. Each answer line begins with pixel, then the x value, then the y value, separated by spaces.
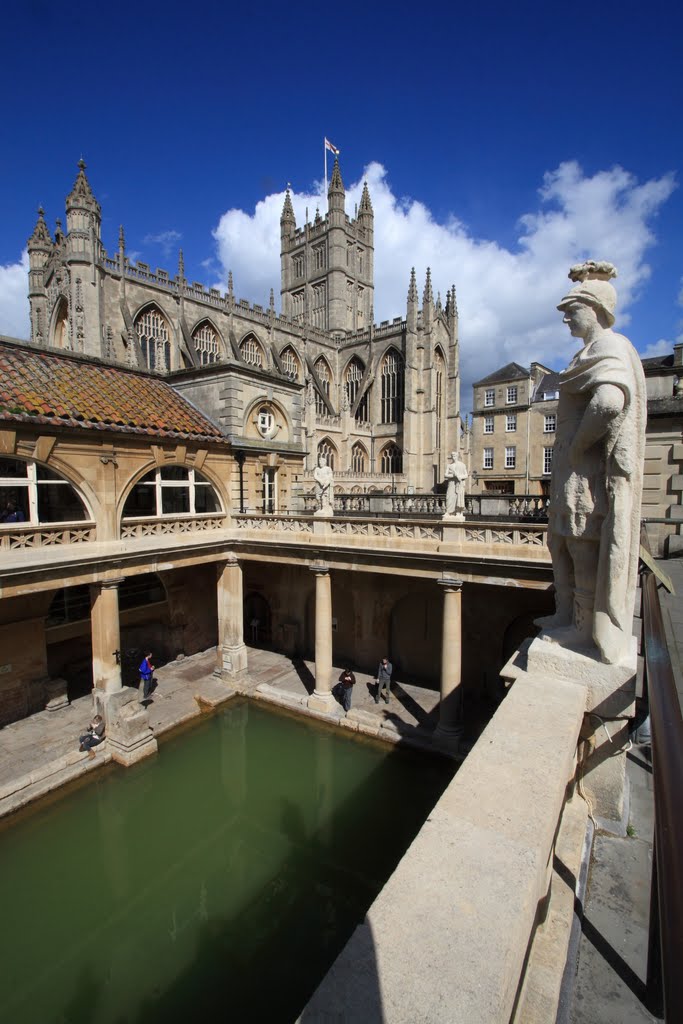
pixel 222 876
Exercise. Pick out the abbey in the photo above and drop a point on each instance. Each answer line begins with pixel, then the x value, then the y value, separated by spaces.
pixel 381 403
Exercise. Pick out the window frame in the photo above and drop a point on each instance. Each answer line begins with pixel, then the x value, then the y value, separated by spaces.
pixel 489 421
pixel 511 456
pixel 487 458
pixel 546 419
pixel 511 418
pixel 548 455
pixel 489 398
pixel 161 485
pixel 31 485
pixel 511 392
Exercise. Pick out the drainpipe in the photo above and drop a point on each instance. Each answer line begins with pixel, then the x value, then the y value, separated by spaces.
pixel 239 456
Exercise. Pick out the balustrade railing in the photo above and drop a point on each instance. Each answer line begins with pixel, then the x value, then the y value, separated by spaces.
pixel 134 529
pixel 46 535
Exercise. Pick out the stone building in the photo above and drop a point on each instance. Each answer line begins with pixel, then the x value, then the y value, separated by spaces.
pixel 663 476
pixel 513 430
pixel 382 403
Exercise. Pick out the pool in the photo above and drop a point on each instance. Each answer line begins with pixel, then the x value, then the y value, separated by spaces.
pixel 222 876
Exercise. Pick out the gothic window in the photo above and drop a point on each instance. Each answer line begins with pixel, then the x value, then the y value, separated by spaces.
pixel 206 343
pixel 290 363
pixel 324 376
pixel 298 262
pixel 61 335
pixel 392 387
pixel 391 460
pixel 361 261
pixel 319 318
pixel 359 458
pixel 32 493
pixel 353 378
pixel 359 307
pixel 154 335
pixel 439 403
pixel 319 257
pixel 298 306
pixel 251 351
pixel 327 449
pixel 171 491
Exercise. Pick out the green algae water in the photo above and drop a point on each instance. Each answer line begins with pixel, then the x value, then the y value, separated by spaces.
pixel 221 877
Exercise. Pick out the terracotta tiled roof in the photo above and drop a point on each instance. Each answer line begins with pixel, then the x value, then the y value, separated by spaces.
pixel 60 390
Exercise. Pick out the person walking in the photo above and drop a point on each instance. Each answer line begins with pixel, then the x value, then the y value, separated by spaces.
pixel 348 681
pixel 384 671
pixel 146 676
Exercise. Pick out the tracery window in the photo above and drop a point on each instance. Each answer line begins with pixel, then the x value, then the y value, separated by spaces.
pixel 325 377
pixel 352 383
pixel 359 458
pixel 392 388
pixel 61 336
pixel 298 306
pixel 32 493
pixel 298 261
pixel 251 351
pixel 319 317
pixel 154 335
pixel 290 363
pixel 171 491
pixel 439 405
pixel 206 344
pixel 327 449
pixel 319 256
pixel 391 459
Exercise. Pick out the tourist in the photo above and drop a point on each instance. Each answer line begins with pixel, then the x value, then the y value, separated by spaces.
pixel 347 681
pixel 12 514
pixel 146 676
pixel 384 680
pixel 93 736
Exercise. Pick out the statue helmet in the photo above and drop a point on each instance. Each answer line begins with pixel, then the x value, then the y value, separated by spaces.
pixel 593 288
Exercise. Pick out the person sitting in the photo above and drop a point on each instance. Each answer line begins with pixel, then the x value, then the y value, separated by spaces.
pixel 11 513
pixel 93 736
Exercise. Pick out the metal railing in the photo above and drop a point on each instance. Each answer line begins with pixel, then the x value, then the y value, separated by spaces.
pixel 664 974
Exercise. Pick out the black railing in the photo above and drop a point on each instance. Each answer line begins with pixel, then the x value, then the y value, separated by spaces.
pixel 665 976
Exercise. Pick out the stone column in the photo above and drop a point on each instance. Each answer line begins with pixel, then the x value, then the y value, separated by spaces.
pixel 106 637
pixel 231 660
pixel 128 733
pixel 321 699
pixel 449 729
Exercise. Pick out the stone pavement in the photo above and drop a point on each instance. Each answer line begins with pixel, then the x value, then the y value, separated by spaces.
pixel 39 754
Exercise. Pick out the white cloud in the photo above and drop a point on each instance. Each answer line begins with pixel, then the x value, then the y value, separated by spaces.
pixel 506 297
pixel 166 240
pixel 658 348
pixel 14 309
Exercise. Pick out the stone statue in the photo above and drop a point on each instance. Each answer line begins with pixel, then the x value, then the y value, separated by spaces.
pixel 594 515
pixel 456 475
pixel 324 487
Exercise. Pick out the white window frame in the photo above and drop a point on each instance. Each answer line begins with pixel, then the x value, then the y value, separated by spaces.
pixel 269 490
pixel 160 485
pixel 511 457
pixel 488 424
pixel 489 397
pixel 511 423
pixel 511 394
pixel 547 420
pixel 487 461
pixel 548 461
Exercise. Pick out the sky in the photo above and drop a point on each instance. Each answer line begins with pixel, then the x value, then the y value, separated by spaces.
pixel 501 144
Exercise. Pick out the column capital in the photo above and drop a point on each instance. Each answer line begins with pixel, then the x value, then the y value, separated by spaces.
pixel 111 583
pixel 319 568
pixel 230 559
pixel 450 583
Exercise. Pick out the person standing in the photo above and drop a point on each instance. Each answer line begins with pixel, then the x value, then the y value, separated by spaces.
pixel 384 671
pixel 348 681
pixel 146 676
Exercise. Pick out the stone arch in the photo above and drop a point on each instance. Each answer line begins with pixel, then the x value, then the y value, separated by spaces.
pixel 391 458
pixel 282 427
pixel 195 479
pixel 352 377
pixel 328 448
pixel 39 494
pixel 59 324
pixel 154 332
pixel 253 351
pixel 208 342
pixel 360 458
pixel 392 386
pixel 324 374
pixel 291 363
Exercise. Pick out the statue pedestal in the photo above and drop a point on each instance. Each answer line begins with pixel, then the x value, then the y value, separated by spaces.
pixel 453 517
pixel 610 697
pixel 128 733
pixel 324 513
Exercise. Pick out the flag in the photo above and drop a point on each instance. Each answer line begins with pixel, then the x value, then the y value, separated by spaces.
pixel 332 149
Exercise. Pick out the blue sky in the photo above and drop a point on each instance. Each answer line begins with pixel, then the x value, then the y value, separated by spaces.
pixel 501 142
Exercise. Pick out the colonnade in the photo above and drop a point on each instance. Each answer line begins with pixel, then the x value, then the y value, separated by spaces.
pixel 231 661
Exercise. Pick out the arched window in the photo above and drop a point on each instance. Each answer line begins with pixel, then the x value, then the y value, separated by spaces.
pixel 352 382
pixel 61 333
pixel 439 396
pixel 154 335
pixel 251 351
pixel 325 378
pixel 206 343
pixel 171 491
pixel 391 459
pixel 359 458
pixel 327 449
pixel 32 493
pixel 392 387
pixel 290 363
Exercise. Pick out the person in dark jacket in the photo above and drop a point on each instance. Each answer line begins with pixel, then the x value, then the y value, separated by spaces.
pixel 384 671
pixel 93 736
pixel 347 681
pixel 146 676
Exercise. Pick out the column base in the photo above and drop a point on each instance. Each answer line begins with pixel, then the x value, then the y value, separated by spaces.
pixel 231 662
pixel 321 700
pixel 128 733
pixel 56 695
pixel 448 738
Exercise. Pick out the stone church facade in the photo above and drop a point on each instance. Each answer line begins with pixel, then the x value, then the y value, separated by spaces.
pixel 381 403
